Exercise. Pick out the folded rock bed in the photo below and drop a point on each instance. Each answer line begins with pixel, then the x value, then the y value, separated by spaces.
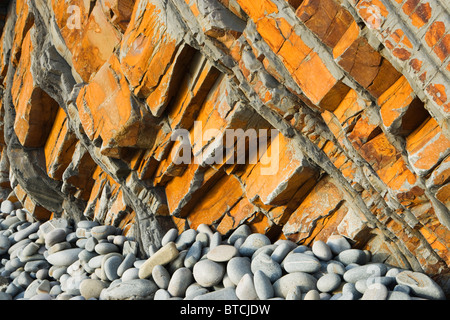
pixel 55 260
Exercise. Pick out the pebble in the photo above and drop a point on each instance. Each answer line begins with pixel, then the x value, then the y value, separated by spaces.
pixel 55 236
pixel 208 273
pixel 289 281
pixel 267 265
pixel 252 243
pixel 364 272
pixel 376 291
pixel 421 285
pixel 245 290
pixel 110 267
pixel 136 289
pixel 352 256
pixel 64 257
pixel 321 250
pixel 102 232
pixel 222 253
pixel 7 207
pixel 222 294
pixel 55 260
pixel 179 282
pixel 263 285
pixel 337 244
pixel 91 288
pixel 4 244
pixel 170 236
pixel 161 276
pixel 163 256
pixel 301 262
pixel 328 282
pixel 237 267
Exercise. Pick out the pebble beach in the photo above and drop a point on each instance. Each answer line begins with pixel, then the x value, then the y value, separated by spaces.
pixel 56 260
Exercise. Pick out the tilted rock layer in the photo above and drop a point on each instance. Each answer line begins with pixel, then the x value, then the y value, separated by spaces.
pixel 122 111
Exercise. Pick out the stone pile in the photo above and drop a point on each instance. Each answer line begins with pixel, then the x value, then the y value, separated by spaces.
pixel 54 260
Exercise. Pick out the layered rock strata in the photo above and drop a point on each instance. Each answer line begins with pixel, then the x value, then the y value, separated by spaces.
pixel 122 111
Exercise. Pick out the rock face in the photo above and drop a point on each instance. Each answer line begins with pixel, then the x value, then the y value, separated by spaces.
pixel 301 119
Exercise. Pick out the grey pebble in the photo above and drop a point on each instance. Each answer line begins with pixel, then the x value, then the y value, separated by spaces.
pixel 180 280
pixel 161 276
pixel 301 262
pixel 328 282
pixel 245 290
pixel 110 267
pixel 321 250
pixel 252 243
pixel 267 265
pixel 208 273
pixel 222 253
pixel 64 257
pixel 170 236
pixel 136 289
pixel 352 256
pixel 237 267
pixel 421 285
pixel 376 291
pixel 263 286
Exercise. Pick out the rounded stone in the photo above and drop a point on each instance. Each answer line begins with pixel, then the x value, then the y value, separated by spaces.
pixel 312 295
pixel 282 250
pixel 245 290
pixel 110 267
pixel 4 244
pixel 102 232
pixel 208 273
pixel 126 264
pixel 263 286
pixel 163 256
pixel 90 244
pixel 365 272
pixel 106 247
pixel 237 267
pixel 170 236
pixel 328 282
pixel 294 294
pixel 185 239
pixel 398 295
pixel 55 236
pixel 7 206
pixel 222 253
pixel 180 280
pixel 301 262
pixel 266 264
pixel 352 256
pixel 161 276
pixel 252 243
pixel 321 250
pixel 336 267
pixel 243 231
pixel 162 294
pixel 136 289
pixel 289 281
pixel 91 288
pixel 130 274
pixel 193 255
pixel 337 244
pixel 65 257
pixel 376 291
pixel 421 285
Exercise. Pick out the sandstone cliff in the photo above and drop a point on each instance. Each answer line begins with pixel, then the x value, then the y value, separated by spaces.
pixel 352 98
